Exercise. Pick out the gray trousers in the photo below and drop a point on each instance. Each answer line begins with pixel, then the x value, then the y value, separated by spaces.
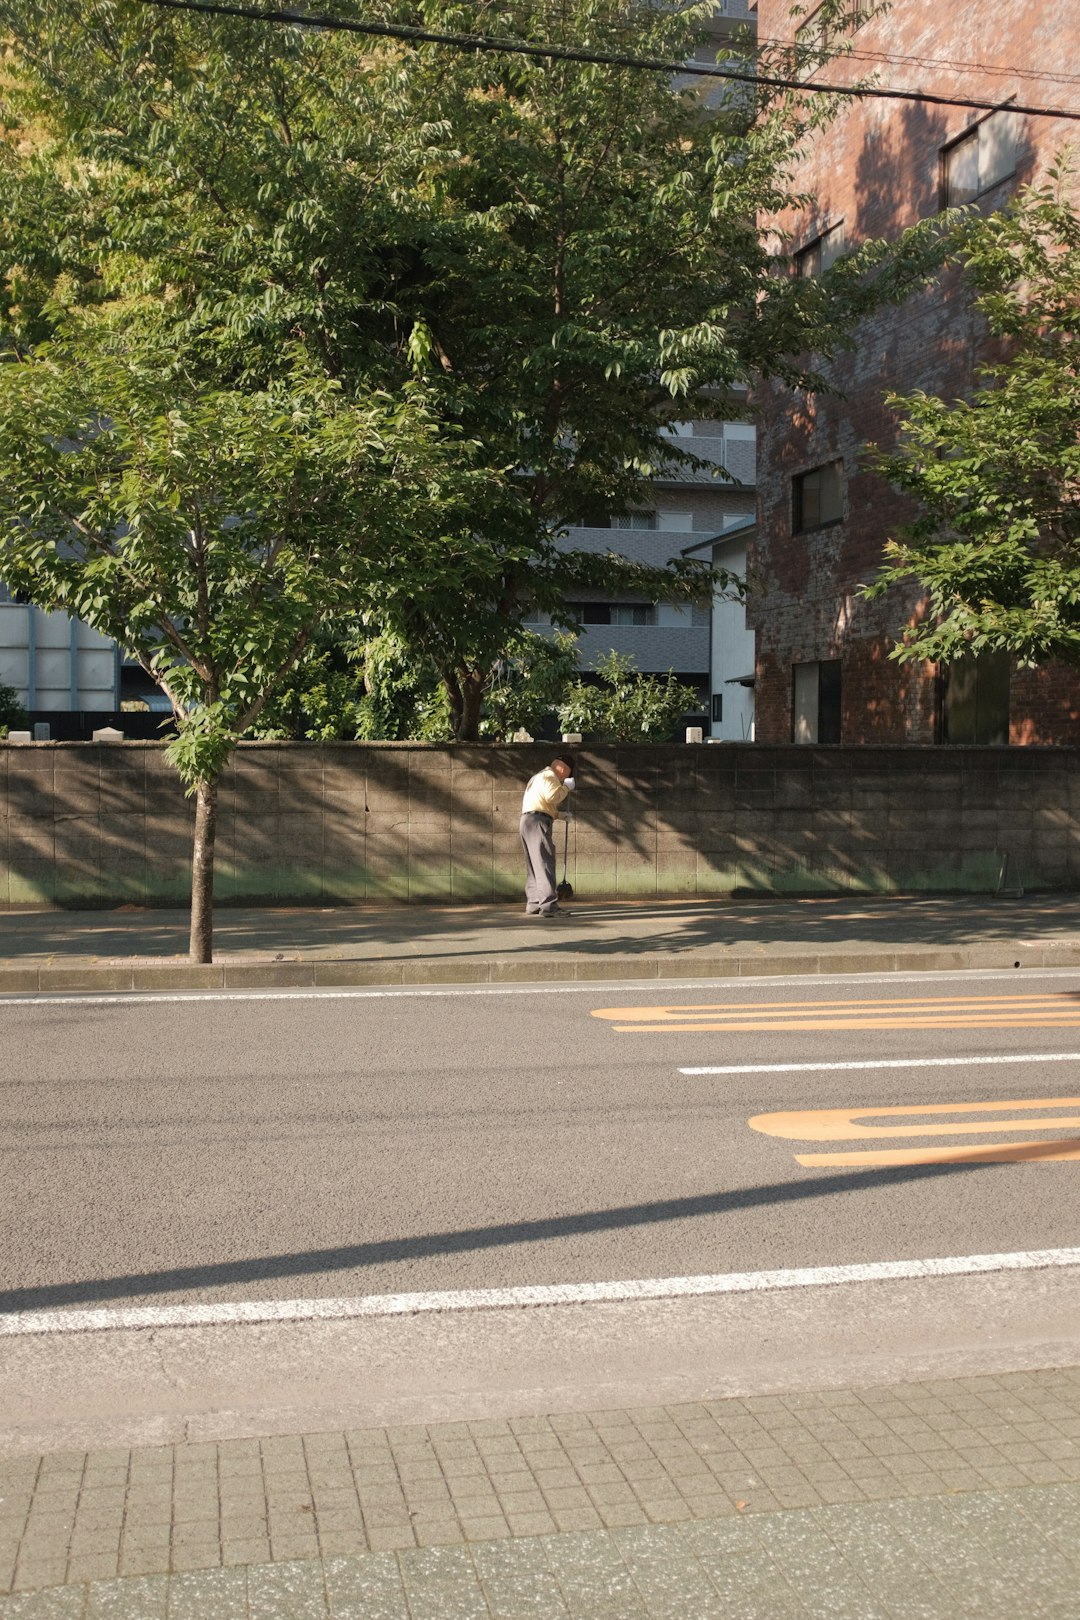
pixel 539 846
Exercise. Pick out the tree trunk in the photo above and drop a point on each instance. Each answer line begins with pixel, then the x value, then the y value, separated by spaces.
pixel 473 687
pixel 454 700
pixel 201 948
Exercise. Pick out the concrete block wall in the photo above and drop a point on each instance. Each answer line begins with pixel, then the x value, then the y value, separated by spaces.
pixel 84 824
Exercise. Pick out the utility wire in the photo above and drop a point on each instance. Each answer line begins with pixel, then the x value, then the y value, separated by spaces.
pixel 746 41
pixel 482 43
pixel 896 58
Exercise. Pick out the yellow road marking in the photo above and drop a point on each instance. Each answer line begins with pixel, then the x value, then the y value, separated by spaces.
pixel 1002 1153
pixel 1055 1010
pixel 845 1124
pixel 849 1124
pixel 701 1009
pixel 825 1026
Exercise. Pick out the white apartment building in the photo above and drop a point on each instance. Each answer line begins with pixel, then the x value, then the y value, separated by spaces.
pixel 689 509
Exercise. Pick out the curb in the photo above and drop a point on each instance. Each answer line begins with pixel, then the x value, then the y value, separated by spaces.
pixel 225 975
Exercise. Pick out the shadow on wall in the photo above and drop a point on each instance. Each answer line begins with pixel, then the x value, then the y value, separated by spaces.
pixel 96 825
pixel 898 171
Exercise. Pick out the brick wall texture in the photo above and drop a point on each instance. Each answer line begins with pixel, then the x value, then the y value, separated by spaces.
pixel 877 170
pixel 85 824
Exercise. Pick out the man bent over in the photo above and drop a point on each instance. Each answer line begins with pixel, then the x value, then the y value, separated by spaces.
pixel 544 793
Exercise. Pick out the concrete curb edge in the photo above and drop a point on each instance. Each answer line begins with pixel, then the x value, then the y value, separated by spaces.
pixel 60 979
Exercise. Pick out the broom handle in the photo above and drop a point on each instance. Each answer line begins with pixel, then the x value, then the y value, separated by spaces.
pixel 565 844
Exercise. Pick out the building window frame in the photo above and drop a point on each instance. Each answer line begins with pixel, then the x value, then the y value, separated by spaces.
pixel 614 615
pixel 821 252
pixel 975 700
pixel 828 497
pixel 642 520
pixel 817 702
pixel 990 149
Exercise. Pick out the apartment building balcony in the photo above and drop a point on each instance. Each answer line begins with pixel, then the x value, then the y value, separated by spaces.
pixel 654 547
pixel 732 452
pixel 678 640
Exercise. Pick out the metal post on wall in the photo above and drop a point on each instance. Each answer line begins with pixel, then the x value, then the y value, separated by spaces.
pixel 73 670
pixel 31 656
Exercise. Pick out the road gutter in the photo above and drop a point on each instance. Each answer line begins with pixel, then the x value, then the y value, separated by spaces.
pixel 57 978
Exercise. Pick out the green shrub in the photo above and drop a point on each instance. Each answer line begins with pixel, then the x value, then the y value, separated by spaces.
pixel 629 706
pixel 13 717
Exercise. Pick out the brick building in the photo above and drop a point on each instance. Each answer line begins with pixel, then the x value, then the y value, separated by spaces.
pixel 823 672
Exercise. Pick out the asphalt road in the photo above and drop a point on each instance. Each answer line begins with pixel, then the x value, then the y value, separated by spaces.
pixel 293 1146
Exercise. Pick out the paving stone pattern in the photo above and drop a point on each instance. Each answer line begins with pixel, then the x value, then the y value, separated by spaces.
pixel 602 1513
pixel 997 1555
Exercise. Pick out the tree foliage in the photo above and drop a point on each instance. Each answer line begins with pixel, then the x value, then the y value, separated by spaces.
pixel 352 686
pixel 13 717
pixel 627 706
pixel 529 684
pixel 567 255
pixel 996 544
pixel 212 531
pixel 303 328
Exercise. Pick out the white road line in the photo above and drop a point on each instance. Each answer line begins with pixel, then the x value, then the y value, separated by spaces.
pixel 888 1063
pixel 629 987
pixel 25 1323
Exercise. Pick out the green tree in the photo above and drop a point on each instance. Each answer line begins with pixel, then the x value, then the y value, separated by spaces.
pixel 567 254
pixel 352 685
pixel 13 717
pixel 529 684
pixel 627 706
pixel 211 532
pixel 996 544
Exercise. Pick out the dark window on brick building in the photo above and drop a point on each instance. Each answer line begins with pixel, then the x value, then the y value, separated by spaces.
pixel 817 497
pixel 982 158
pixel 823 251
pixel 815 702
pixel 975 699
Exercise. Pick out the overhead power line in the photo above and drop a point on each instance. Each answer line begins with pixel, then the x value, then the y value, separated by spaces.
pixel 484 43
pixel 749 41
pixel 932 64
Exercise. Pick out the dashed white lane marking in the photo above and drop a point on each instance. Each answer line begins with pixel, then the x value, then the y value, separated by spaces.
pixel 887 1063
pixel 630 987
pixel 26 1323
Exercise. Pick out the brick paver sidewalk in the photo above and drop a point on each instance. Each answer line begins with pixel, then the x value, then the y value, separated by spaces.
pixel 920 1501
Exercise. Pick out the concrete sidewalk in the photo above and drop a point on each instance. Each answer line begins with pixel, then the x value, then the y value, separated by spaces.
pixel 954 1497
pixel 134 949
